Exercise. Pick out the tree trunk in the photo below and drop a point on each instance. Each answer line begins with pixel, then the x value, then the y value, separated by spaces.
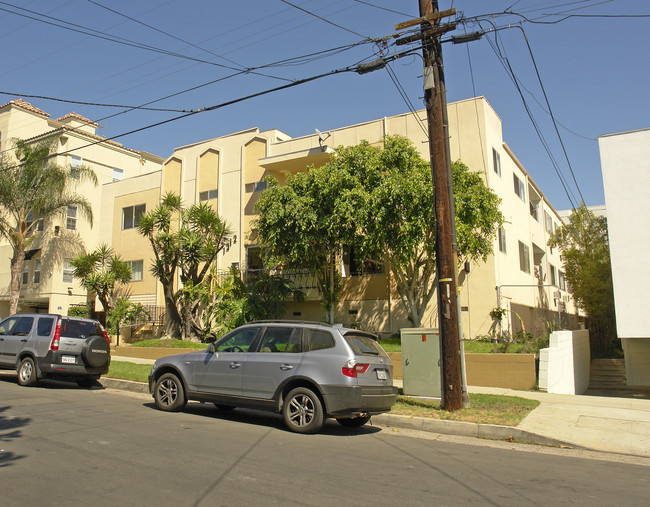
pixel 17 263
pixel 172 318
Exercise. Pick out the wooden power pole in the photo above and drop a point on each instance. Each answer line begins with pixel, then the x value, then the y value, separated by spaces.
pixel 447 295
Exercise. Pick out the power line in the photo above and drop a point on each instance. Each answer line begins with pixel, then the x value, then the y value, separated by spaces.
pixel 384 8
pixel 219 106
pixel 323 19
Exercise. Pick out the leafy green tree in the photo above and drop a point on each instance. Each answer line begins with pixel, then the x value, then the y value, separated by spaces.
pixel 230 301
pixel 185 242
pixel 124 312
pixel 32 189
pixel 103 273
pixel 379 201
pixel 584 247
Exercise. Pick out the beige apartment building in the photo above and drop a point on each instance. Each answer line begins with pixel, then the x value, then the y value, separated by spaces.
pixel 524 275
pixel 48 284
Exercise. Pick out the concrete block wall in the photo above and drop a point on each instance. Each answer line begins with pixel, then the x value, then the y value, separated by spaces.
pixel 512 371
pixel 564 366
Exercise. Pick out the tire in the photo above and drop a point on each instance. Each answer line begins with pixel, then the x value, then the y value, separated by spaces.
pixel 354 422
pixel 27 372
pixel 96 351
pixel 86 382
pixel 224 408
pixel 302 411
pixel 169 394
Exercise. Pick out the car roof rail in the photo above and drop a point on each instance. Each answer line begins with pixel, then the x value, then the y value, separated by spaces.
pixel 289 321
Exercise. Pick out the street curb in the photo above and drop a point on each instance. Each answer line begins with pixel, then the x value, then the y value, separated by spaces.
pixel 465 429
pixel 458 428
pixel 125 385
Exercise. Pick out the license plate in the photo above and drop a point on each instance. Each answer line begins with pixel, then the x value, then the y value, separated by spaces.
pixel 68 359
pixel 382 374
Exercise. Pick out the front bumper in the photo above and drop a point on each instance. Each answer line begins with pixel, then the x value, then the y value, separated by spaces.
pixel 355 400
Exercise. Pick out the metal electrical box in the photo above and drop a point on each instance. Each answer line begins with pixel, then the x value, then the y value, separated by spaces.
pixel 421 362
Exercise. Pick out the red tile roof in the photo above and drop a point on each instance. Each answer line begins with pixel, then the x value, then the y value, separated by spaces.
pixel 26 105
pixel 78 117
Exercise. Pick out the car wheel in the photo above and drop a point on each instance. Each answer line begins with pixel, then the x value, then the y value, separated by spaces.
pixel 224 408
pixel 27 372
pixel 354 422
pixel 302 411
pixel 86 382
pixel 168 393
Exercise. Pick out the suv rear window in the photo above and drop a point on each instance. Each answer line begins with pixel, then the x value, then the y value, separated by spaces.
pixel 80 328
pixel 363 345
pixel 320 340
pixel 45 326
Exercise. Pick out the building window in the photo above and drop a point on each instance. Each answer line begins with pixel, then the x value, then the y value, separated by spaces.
pixel 136 270
pixel 30 220
pixel 208 195
pixel 25 280
pixel 354 265
pixel 254 262
pixel 524 258
pixel 37 271
pixel 118 174
pixel 257 186
pixel 502 239
pixel 75 166
pixel 548 223
pixel 562 280
pixel 496 161
pixel 68 271
pixel 131 215
pixel 553 275
pixel 519 188
pixel 71 218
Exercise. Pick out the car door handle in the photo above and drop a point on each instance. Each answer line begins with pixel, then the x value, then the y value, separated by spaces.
pixel 286 367
pixel 24 340
pixel 235 365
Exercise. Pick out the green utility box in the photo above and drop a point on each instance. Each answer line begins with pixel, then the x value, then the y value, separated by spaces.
pixel 421 362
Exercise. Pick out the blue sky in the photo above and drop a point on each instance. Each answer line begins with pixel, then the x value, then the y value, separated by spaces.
pixel 594 70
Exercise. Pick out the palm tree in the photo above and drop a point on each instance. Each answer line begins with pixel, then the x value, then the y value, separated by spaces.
pixel 34 189
pixel 99 272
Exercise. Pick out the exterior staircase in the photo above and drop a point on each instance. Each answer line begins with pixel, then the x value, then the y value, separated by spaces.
pixel 607 374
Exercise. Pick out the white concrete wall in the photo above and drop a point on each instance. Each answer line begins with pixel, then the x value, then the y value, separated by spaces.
pixel 625 160
pixel 564 366
pixel 637 359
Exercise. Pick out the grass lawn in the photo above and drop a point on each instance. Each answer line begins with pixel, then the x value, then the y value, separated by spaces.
pixel 485 408
pixel 129 371
pixel 169 343
pixel 471 346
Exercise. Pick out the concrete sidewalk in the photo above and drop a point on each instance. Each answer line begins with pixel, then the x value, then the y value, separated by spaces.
pixel 603 423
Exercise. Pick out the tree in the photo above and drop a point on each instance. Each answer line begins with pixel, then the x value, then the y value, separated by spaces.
pixel 185 242
pixel 304 224
pixel 584 247
pixel 31 190
pixel 380 202
pixel 231 301
pixel 102 272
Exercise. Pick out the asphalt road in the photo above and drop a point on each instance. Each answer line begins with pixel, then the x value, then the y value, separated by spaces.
pixel 62 445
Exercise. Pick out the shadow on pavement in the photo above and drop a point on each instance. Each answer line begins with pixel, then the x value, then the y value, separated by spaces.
pixel 268 419
pixel 8 432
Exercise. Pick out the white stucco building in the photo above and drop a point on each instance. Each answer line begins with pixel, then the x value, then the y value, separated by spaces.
pixel 625 161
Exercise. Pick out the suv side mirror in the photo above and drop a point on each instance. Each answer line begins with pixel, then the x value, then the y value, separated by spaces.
pixel 212 348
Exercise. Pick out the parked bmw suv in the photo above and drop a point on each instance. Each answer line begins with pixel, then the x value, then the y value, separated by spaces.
pixel 306 371
pixel 40 345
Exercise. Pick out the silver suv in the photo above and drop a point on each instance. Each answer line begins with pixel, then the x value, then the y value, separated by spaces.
pixel 306 371
pixel 40 345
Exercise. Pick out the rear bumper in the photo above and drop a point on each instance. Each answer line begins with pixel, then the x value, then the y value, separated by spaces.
pixel 354 400
pixel 51 366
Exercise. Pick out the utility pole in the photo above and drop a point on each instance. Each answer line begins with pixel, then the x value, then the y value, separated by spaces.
pixel 447 294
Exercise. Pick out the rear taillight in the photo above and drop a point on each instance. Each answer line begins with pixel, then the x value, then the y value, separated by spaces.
pixel 352 368
pixel 105 334
pixel 54 345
